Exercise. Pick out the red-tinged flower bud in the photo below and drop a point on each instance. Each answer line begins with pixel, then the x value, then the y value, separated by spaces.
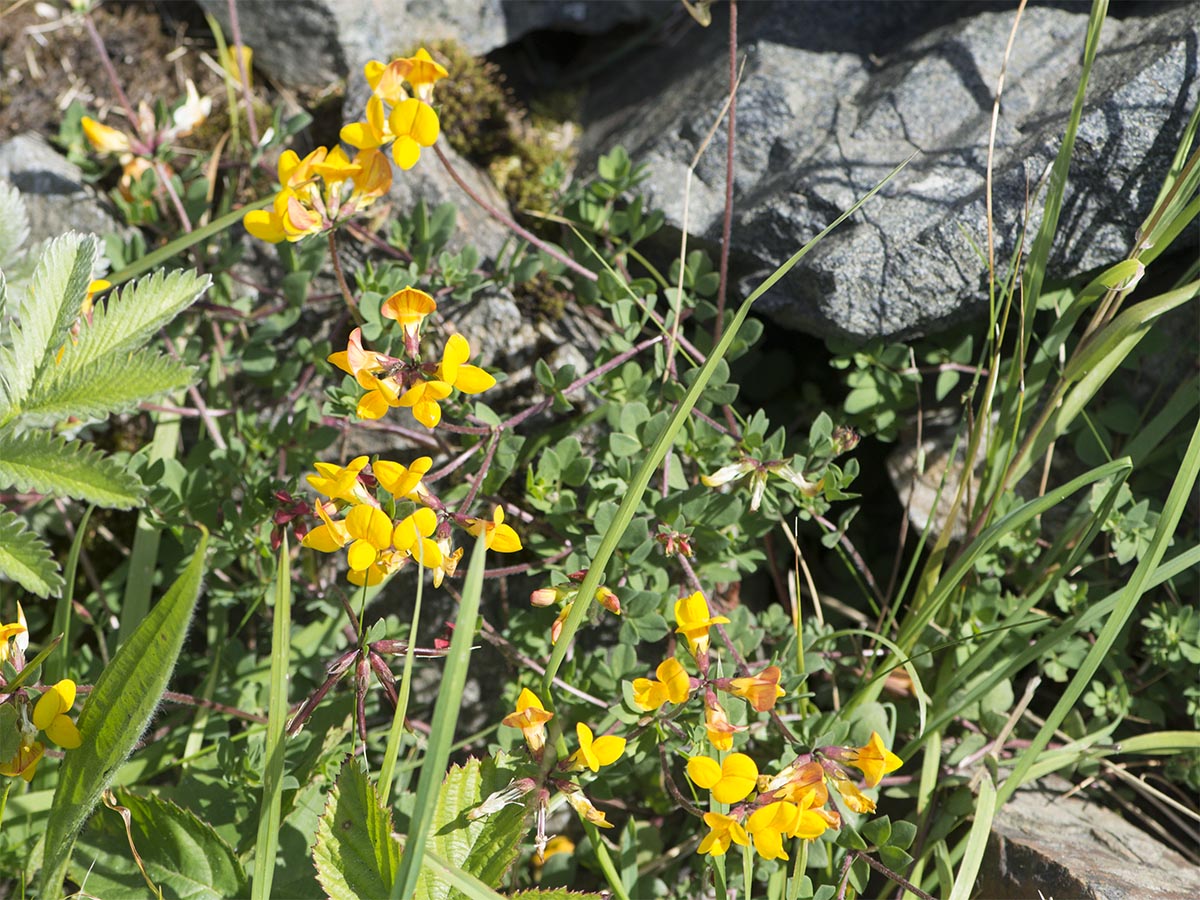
pixel 608 600
pixel 578 577
pixel 845 439
pixel 545 597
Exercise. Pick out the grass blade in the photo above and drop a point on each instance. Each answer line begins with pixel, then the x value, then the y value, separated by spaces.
pixel 268 815
pixel 445 716
pixel 968 869
pixel 56 665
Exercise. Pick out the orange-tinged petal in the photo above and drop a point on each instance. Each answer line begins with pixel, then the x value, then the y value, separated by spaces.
pixel 24 763
pixel 409 307
pixel 103 138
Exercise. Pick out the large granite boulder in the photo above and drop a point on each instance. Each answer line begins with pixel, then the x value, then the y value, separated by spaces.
pixel 310 43
pixel 834 95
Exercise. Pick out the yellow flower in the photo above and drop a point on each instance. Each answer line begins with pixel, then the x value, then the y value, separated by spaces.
pixel 673 685
pixel 874 759
pixel 374 178
pixel 556 845
pixel 729 781
pixel 694 620
pixel 50 715
pixel 423 399
pixel 723 831
pixel 340 482
pixel 449 562
pixel 414 125
pixel 229 62
pixel 103 138
pixel 796 782
pixel 14 633
pixel 851 795
pixel 402 483
pixel 455 372
pixel 769 824
pixel 762 690
pixel 370 531
pixel 531 717
pixel 409 307
pixel 329 536
pixel 362 364
pixel 498 536
pixel 594 753
pixel 720 730
pixel 582 805
pixel 411 536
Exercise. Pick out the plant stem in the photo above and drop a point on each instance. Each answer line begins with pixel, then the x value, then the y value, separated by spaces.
pixel 351 303
pixel 727 220
pixel 243 75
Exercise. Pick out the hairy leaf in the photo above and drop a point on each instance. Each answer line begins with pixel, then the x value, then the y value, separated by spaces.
pixel 37 461
pixel 14 225
pixel 48 309
pixel 115 714
pixel 129 320
pixel 108 385
pixel 182 854
pixel 484 848
pixel 25 558
pixel 355 854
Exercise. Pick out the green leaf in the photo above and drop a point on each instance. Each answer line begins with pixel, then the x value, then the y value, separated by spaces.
pixel 903 833
pixel 554 894
pixel 182 854
pixel 445 717
pixel 45 315
pixel 129 320
pixel 108 385
pixel 877 831
pixel 38 461
pixel 484 848
pixel 25 558
pixel 115 715
pixel 985 809
pixel 355 853
pixel 14 225
pixel 269 814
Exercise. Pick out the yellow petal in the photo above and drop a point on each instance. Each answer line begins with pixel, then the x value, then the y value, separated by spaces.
pixel 504 540
pixel 366 523
pixel 361 555
pixel 372 405
pixel 406 152
pixel 326 538
pixel 704 771
pixel 64 733
pixel 264 225
pixel 608 749
pixel 414 119
pixel 361 135
pixel 473 380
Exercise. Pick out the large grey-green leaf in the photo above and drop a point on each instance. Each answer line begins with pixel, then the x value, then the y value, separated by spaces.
pixel 485 847
pixel 355 854
pixel 132 318
pixel 182 854
pixel 25 558
pixel 38 461
pixel 111 384
pixel 116 713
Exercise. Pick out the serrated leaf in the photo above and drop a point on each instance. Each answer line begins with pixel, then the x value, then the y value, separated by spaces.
pixel 25 558
pixel 130 319
pixel 109 385
pixel 38 461
pixel 554 894
pixel 484 848
pixel 355 853
pixel 14 225
pixel 183 855
pixel 48 309
pixel 115 715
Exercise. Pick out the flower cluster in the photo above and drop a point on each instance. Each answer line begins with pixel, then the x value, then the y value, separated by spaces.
pixel 672 683
pixel 48 715
pixel 790 804
pixel 328 185
pixel 378 543
pixel 593 754
pixel 136 153
pixel 564 596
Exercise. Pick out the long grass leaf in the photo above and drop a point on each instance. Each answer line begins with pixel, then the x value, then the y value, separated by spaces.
pixel 56 665
pixel 441 732
pixel 1128 597
pixel 981 828
pixel 268 814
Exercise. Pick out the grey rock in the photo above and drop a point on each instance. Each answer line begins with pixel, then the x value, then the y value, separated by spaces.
pixel 52 188
pixel 835 95
pixel 1046 845
pixel 311 43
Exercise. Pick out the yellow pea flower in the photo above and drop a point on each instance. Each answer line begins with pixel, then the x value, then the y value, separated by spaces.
pixel 694 619
pixel 719 729
pixel 498 536
pixel 851 795
pixel 762 690
pixel 873 758
pixel 423 399
pixel 582 805
pixel 729 781
pixel 14 634
pixel 50 715
pixel 329 536
pixel 673 685
pixel 531 717
pixel 595 752
pixel 454 370
pixel 400 481
pixel 723 831
pixel 340 482
pixel 103 138
pixel 409 307
pixel 769 824
pixel 370 531
pixel 411 536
